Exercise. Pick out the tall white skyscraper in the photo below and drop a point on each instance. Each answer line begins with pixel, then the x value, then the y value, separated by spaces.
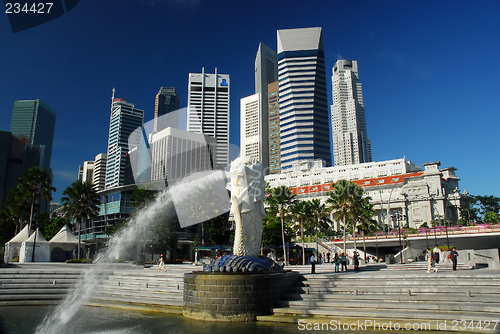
pixel 124 120
pixel 303 107
pixel 266 72
pixel 350 141
pixel 251 129
pixel 176 154
pixel 99 177
pixel 208 110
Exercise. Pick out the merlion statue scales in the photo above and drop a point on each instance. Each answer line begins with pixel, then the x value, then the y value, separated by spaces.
pixel 247 210
pixel 247 205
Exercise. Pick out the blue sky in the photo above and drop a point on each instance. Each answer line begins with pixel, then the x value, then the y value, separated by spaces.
pixel 430 70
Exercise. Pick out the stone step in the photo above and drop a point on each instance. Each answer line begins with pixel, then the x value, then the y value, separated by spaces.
pixel 402 305
pixel 9 282
pixel 37 276
pixel 146 279
pixel 139 300
pixel 140 290
pixel 51 295
pixel 148 284
pixel 383 313
pixel 139 294
pixel 395 297
pixel 379 290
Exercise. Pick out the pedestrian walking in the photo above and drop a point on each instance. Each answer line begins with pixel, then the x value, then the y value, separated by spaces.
pixel 343 261
pixel 313 264
pixel 436 256
pixel 328 257
pixel 453 257
pixel 161 264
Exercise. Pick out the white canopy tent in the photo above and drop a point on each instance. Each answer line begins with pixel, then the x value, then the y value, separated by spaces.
pixel 14 245
pixel 42 248
pixel 62 245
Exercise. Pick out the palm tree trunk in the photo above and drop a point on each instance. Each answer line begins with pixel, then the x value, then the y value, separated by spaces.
pixel 303 249
pixel 282 216
pixel 364 244
pixel 79 239
pixel 31 213
pixel 345 223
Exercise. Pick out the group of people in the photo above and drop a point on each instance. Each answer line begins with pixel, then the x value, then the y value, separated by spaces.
pixel 338 261
pixel 433 257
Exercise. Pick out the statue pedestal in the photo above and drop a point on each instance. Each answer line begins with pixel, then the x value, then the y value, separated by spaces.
pixel 234 296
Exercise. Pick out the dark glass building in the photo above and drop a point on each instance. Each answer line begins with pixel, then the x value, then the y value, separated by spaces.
pixel 36 121
pixel 166 103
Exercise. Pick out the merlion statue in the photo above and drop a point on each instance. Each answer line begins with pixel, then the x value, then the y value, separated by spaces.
pixel 247 205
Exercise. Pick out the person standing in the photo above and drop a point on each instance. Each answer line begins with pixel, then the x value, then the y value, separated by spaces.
pixel 336 262
pixel 313 264
pixel 430 261
pixel 343 260
pixel 454 255
pixel 328 257
pixel 356 261
pixel 161 264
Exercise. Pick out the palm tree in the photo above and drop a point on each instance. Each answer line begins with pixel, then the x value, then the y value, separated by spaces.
pixel 367 224
pixel 280 199
pixel 320 213
pixel 35 184
pixel 343 200
pixel 17 209
pixel 80 201
pixel 302 212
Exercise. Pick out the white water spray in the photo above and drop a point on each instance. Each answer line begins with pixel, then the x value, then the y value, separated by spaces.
pixel 61 317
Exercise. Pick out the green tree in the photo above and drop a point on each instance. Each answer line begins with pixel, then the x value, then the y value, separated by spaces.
pixel 80 201
pixel 35 184
pixel 321 216
pixel 53 226
pixel 17 210
pixel 302 212
pixel 219 230
pixel 142 197
pixel 280 199
pixel 343 200
pixel 366 223
pixel 491 218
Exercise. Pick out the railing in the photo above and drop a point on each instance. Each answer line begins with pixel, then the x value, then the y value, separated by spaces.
pixel 463 230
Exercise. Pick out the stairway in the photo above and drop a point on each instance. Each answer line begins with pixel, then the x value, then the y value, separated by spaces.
pixel 37 286
pixel 147 288
pixel 415 296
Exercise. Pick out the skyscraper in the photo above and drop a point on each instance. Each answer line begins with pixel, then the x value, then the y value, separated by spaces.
pixel 124 120
pixel 274 128
pixel 99 177
pixel 350 141
pixel 251 129
pixel 304 123
pixel 266 72
pixel 35 120
pixel 208 110
pixel 166 103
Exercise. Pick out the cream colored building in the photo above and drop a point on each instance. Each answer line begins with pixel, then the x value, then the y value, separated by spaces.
pixel 394 186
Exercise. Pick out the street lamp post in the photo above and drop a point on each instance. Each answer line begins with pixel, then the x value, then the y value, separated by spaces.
pixel 397 217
